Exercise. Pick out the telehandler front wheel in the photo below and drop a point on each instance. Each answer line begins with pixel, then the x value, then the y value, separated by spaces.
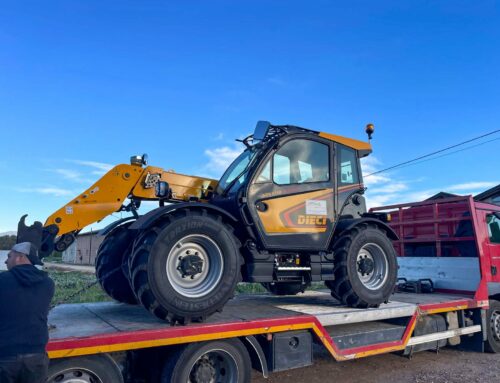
pixel 365 267
pixel 186 268
pixel 111 264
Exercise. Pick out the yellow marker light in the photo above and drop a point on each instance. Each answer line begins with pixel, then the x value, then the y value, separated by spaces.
pixel 370 128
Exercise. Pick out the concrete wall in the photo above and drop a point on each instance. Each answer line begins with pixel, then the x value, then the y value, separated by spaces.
pixel 84 250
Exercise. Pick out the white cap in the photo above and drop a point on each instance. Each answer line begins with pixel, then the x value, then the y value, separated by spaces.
pixel 29 250
pixel 23 248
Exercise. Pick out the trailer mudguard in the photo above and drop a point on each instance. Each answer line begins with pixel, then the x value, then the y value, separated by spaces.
pixel 347 224
pixel 147 220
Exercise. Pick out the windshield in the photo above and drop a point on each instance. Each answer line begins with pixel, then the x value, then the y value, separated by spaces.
pixel 236 169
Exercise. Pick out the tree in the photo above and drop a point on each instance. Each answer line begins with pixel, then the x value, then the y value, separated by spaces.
pixel 7 241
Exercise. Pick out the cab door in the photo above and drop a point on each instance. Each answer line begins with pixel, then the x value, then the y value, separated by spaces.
pixel 492 245
pixel 291 198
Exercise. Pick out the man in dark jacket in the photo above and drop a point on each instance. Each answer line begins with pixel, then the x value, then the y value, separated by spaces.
pixel 25 296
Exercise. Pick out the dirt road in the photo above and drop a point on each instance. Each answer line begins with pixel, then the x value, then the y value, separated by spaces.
pixel 448 366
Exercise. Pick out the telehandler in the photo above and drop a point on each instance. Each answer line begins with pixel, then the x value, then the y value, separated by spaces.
pixel 288 211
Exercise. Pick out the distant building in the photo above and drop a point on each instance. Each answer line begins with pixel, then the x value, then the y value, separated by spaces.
pixel 84 250
pixel 442 195
pixel 490 196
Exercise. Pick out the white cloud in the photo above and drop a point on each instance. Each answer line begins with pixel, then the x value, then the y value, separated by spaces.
pixel 391 187
pixel 472 186
pixel 72 175
pixel 370 165
pixel 100 166
pixel 220 159
pixel 218 137
pixel 53 191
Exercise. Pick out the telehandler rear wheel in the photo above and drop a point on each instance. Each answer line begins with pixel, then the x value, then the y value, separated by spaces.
pixel 280 288
pixel 111 264
pixel 187 267
pixel 365 267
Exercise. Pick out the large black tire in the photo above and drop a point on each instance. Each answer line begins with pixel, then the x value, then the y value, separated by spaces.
pixel 111 264
pixel 94 368
pixel 492 343
pixel 365 267
pixel 167 275
pixel 223 361
pixel 331 286
pixel 281 288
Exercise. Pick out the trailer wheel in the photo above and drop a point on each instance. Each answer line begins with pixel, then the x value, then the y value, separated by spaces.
pixel 225 361
pixel 111 264
pixel 281 288
pixel 365 267
pixel 186 268
pixel 492 344
pixel 86 369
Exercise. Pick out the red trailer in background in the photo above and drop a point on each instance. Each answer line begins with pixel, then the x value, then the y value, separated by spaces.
pixel 455 242
pixel 449 254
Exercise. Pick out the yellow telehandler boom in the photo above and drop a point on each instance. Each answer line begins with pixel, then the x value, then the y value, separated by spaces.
pixel 132 183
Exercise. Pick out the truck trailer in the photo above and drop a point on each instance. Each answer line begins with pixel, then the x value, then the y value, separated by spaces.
pixel 448 294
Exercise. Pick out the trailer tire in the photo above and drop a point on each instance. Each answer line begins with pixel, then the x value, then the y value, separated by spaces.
pixel 365 267
pixel 111 264
pixel 280 288
pixel 187 267
pixel 223 361
pixel 99 368
pixel 492 343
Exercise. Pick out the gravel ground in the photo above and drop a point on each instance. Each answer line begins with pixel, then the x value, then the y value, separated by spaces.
pixel 448 366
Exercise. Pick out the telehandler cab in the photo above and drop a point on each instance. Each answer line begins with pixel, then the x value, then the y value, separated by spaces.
pixel 288 211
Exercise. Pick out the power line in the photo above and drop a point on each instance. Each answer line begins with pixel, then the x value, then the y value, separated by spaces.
pixel 433 153
pixel 455 151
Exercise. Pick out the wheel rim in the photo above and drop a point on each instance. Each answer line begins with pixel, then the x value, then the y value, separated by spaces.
pixel 74 375
pixel 495 325
pixel 195 266
pixel 215 366
pixel 372 266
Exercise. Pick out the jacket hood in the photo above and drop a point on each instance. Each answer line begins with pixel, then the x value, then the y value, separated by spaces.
pixel 28 275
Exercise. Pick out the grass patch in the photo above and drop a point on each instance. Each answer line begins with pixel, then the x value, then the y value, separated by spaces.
pixel 69 282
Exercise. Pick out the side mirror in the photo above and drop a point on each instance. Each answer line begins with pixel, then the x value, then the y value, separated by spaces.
pixel 261 130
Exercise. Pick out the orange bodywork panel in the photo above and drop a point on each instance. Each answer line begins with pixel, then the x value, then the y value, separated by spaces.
pixel 183 187
pixel 350 142
pixel 108 194
pixel 289 214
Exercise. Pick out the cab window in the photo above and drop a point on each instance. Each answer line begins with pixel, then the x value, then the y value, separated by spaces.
pixel 298 162
pixel 347 167
pixel 493 228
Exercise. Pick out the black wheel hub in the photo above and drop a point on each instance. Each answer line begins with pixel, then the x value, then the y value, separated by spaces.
pixel 366 266
pixel 190 265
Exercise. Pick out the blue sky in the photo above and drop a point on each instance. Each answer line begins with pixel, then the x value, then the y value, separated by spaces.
pixel 86 84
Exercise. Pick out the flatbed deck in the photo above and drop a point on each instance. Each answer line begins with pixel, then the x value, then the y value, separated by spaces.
pixel 80 329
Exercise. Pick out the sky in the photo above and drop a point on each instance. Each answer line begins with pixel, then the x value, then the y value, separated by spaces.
pixel 86 84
